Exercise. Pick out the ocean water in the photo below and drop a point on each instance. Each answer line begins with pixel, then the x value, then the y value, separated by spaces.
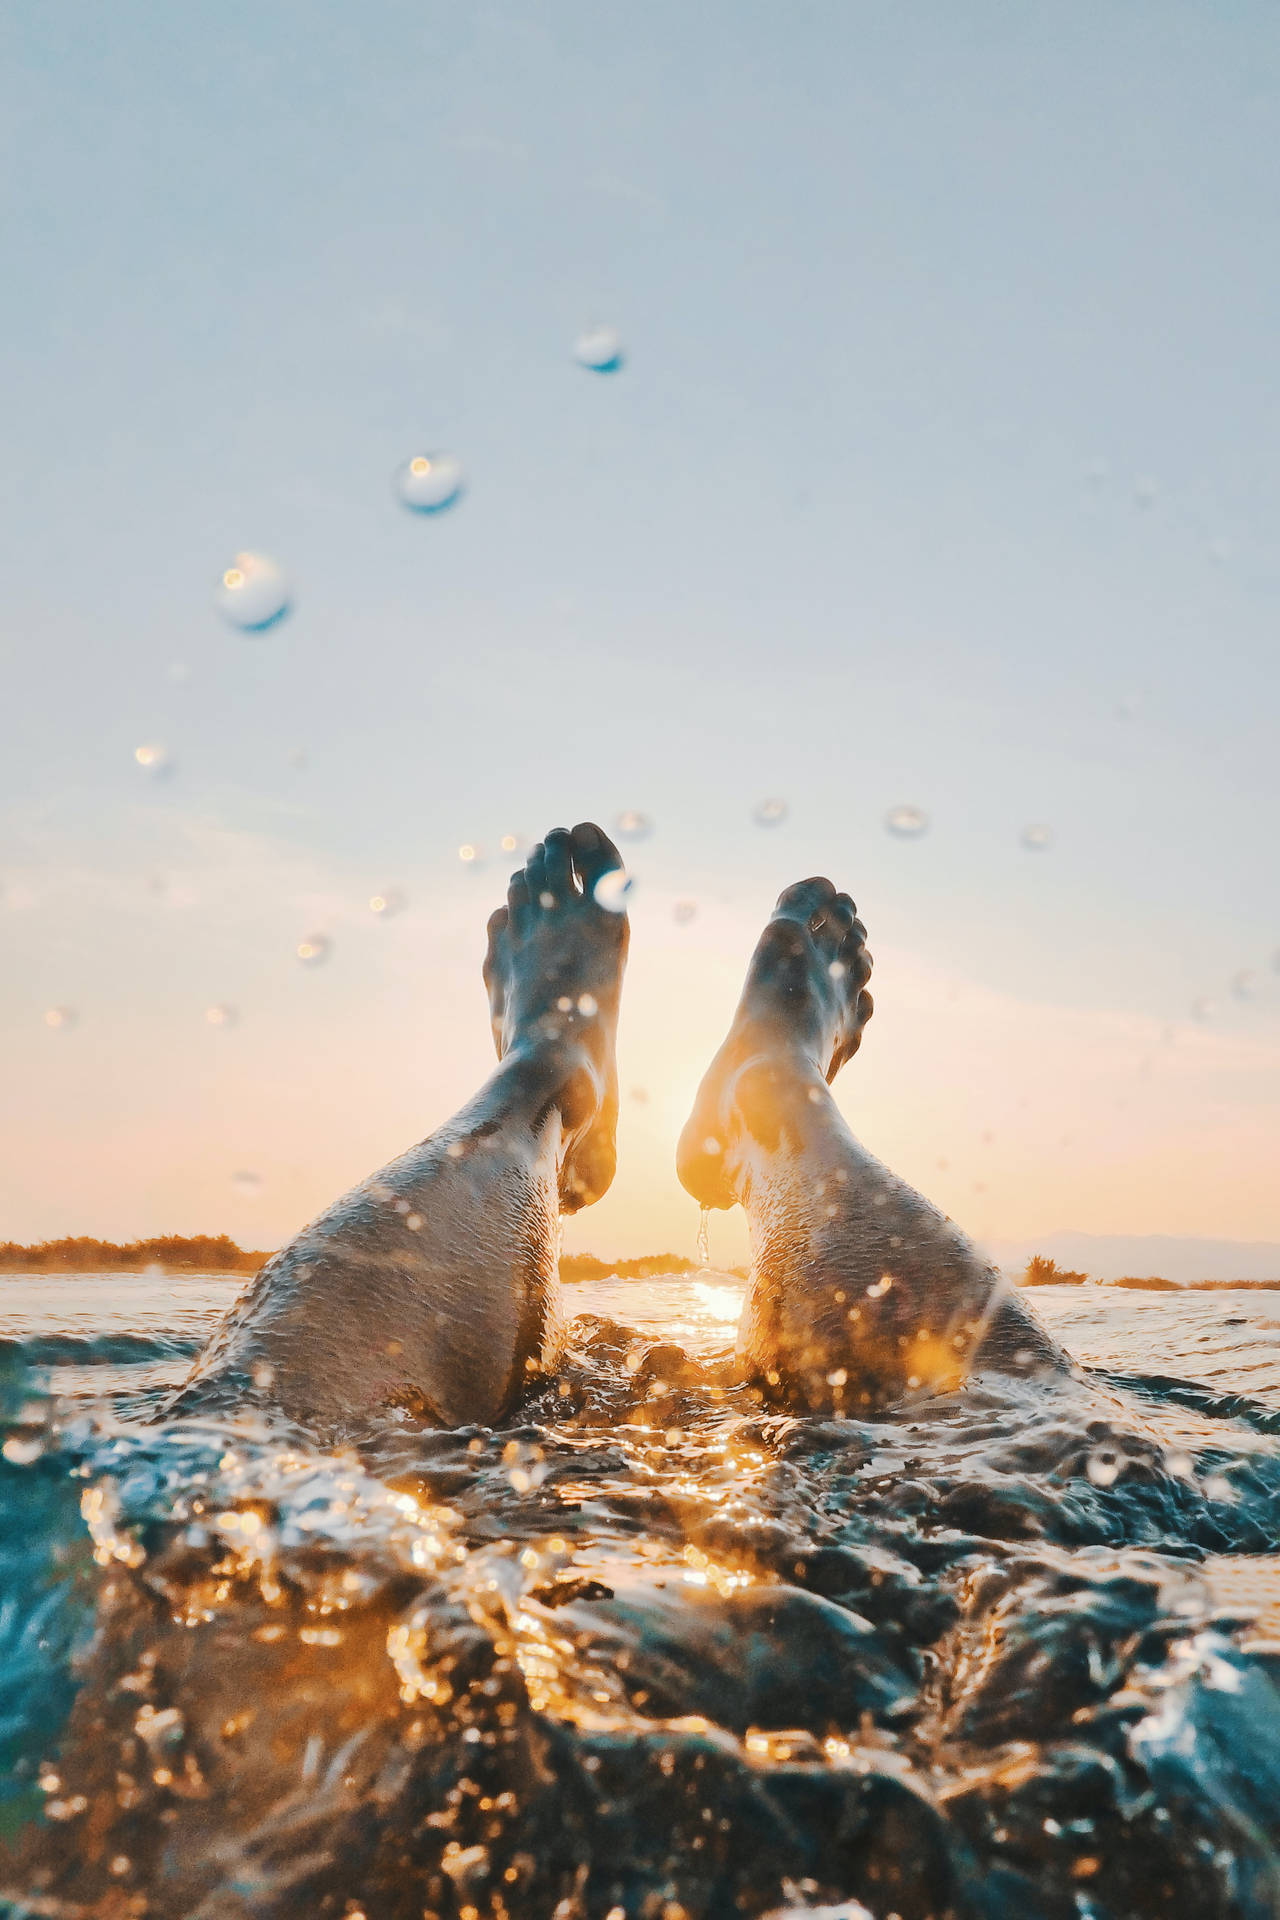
pixel 656 1650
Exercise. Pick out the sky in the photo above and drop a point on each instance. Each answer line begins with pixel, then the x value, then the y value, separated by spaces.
pixel 942 471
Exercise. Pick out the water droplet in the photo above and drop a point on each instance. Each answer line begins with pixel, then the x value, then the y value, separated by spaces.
pixel 770 812
pixel 390 901
pixel 613 890
pixel 632 825
pixel 1201 1008
pixel 599 349
pixel 154 760
pixel 684 911
pixel 1036 839
pixel 588 1005
pixel 704 1237
pixel 253 593
pixel 1103 1466
pixel 61 1019
pixel 430 482
pixel 314 950
pixel 1244 985
pixel 513 843
pixel 247 1185
pixel 221 1016
pixel 470 854
pixel 907 822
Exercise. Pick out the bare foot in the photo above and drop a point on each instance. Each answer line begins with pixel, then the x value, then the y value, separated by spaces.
pixel 861 1291
pixel 554 974
pixel 804 999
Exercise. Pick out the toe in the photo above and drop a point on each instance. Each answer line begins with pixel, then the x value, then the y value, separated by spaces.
pixel 559 855
pixel 496 929
pixel 594 854
pixel 806 897
pixel 518 898
pixel 535 873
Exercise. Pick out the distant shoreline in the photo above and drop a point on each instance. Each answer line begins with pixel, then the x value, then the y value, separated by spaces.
pixel 207 1255
pixel 204 1254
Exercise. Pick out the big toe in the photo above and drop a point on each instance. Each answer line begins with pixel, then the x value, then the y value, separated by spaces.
pixel 594 854
pixel 806 897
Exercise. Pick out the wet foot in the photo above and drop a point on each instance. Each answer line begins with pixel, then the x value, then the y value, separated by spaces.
pixel 803 1008
pixel 554 973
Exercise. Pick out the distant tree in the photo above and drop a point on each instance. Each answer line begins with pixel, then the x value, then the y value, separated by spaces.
pixel 1042 1272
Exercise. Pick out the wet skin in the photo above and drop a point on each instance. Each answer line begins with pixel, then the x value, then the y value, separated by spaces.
pixel 433 1285
pixel 861 1291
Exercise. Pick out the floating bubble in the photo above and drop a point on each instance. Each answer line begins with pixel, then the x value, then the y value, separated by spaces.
pixel 253 593
pixel 599 349
pixel 470 854
pixel 513 843
pixel 1037 839
pixel 61 1019
pixel 430 482
pixel 770 813
pixel 684 911
pixel 633 825
pixel 1244 985
pixel 1104 1465
pixel 247 1185
pixel 314 950
pixel 221 1016
pixel 907 822
pixel 390 901
pixel 613 890
pixel 154 760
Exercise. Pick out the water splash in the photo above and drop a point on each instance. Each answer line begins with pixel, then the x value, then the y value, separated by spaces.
pixel 704 1237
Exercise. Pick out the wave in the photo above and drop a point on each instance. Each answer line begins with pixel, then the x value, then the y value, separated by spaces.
pixel 97 1349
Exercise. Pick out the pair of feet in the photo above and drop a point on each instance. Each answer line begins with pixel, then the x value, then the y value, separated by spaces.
pixel 553 972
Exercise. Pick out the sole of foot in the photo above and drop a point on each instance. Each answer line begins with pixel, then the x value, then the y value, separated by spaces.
pixel 803 1010
pixel 553 973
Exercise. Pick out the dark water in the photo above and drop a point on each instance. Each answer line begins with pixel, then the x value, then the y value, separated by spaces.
pixel 655 1651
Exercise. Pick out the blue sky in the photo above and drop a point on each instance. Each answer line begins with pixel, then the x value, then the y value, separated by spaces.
pixel 943 469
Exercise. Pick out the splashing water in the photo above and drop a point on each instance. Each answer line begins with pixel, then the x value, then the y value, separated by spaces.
pixel 704 1237
pixel 430 482
pixel 654 1647
pixel 253 593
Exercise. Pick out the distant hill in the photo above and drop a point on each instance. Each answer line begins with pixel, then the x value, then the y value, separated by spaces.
pixel 1114 1256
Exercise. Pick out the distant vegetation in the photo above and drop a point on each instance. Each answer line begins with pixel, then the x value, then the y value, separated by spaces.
pixel 197 1252
pixel 217 1253
pixel 585 1266
pixel 1047 1273
pixel 1152 1283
